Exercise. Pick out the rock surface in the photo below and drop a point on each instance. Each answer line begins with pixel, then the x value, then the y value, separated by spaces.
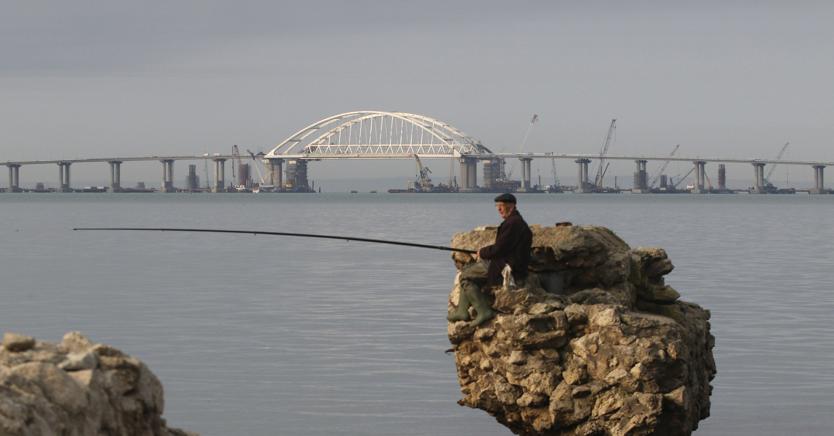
pixel 77 388
pixel 594 343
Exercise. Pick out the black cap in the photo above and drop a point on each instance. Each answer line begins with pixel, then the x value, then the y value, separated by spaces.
pixel 505 198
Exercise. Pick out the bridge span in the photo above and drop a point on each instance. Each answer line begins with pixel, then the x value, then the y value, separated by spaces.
pixel 400 135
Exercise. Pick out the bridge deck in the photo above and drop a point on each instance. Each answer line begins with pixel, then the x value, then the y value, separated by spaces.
pixel 531 155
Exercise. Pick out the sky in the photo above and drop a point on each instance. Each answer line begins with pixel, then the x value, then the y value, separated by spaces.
pixel 722 78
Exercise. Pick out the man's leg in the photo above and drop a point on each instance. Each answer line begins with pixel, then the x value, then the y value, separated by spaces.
pixel 461 313
pixel 480 302
pixel 469 277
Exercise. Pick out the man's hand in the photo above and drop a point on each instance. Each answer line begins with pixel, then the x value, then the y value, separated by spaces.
pixel 477 255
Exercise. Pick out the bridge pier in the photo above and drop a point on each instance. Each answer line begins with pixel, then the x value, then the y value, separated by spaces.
pixel 168 175
pixel 297 175
pixel 526 173
pixel 819 180
pixel 700 176
pixel 468 174
pixel 583 185
pixel 115 175
pixel 275 174
pixel 641 177
pixel 722 178
pixel 64 176
pixel 219 175
pixel 14 177
pixel 492 171
pixel 758 174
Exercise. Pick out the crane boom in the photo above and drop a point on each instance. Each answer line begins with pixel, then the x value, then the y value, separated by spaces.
pixel 601 168
pixel 663 167
pixel 257 166
pixel 533 120
pixel 779 156
pixel 553 170
pixel 675 185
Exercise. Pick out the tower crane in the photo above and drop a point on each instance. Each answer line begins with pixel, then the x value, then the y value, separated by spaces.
pixel 601 168
pixel 663 167
pixel 778 157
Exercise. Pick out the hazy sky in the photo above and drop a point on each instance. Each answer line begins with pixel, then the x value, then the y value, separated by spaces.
pixel 723 78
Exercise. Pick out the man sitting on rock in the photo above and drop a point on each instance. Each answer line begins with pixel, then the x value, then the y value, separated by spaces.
pixel 511 249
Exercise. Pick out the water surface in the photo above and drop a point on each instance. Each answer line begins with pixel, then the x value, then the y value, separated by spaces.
pixel 264 335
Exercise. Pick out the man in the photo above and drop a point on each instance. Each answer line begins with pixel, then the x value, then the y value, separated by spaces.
pixel 511 248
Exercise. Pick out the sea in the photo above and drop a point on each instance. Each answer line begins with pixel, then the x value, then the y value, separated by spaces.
pixel 259 335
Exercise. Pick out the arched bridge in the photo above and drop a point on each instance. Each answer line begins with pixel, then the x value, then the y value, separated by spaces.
pixel 377 135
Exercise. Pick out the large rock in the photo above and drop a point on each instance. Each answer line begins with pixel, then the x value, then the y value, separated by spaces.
pixel 593 343
pixel 77 388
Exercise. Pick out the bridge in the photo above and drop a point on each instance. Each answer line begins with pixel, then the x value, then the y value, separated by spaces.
pixel 400 135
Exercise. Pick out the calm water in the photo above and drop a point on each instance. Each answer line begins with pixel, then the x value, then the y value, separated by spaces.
pixel 263 336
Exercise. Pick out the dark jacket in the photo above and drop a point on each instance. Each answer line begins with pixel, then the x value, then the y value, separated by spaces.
pixel 512 246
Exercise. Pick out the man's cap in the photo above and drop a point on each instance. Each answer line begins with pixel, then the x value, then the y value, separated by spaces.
pixel 505 198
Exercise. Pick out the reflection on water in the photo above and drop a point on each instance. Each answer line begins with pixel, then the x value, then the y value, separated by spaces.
pixel 265 335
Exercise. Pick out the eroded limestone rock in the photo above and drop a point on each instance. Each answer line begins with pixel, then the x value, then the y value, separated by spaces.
pixel 77 388
pixel 594 342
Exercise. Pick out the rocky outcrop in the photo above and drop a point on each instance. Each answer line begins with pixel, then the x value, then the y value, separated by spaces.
pixel 593 343
pixel 77 388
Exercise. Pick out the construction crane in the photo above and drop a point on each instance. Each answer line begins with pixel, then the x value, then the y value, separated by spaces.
pixel 778 157
pixel 235 163
pixel 529 129
pixel 553 170
pixel 257 165
pixel 663 167
pixel 681 179
pixel 423 181
pixel 602 167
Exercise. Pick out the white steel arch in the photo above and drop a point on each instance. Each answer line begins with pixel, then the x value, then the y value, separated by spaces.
pixel 378 135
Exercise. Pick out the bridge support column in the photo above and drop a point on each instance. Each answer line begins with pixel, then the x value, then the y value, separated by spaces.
pixel 758 173
pixel 722 178
pixel 473 174
pixel 582 185
pixel 819 180
pixel 641 178
pixel 468 174
pixel 14 177
pixel 526 173
pixel 492 169
pixel 700 176
pixel 64 176
pixel 219 175
pixel 275 174
pixel 115 175
pixel 168 175
pixel 297 175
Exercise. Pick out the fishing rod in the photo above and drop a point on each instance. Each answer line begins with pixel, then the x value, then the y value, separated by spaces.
pixel 301 235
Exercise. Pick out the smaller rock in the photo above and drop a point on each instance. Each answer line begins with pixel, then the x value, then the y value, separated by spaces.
pixel 79 362
pixel 660 294
pixel 529 399
pixel 606 317
pixel 75 342
pixel 517 358
pixel 17 343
